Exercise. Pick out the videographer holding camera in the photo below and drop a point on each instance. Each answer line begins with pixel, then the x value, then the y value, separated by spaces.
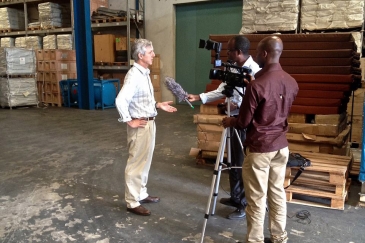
pixel 238 48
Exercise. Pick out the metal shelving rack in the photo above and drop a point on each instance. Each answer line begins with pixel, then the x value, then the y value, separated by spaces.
pixel 138 11
pixel 26 32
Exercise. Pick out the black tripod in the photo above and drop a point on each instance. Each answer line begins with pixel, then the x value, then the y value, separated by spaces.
pixel 225 140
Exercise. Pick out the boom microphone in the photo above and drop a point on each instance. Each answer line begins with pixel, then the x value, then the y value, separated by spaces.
pixel 177 90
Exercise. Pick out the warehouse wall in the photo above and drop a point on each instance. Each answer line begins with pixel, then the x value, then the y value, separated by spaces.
pixel 160 29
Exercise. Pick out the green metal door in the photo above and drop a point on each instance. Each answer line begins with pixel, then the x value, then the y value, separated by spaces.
pixel 197 21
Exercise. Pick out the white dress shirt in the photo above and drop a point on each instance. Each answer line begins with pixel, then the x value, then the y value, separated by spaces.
pixel 236 98
pixel 136 98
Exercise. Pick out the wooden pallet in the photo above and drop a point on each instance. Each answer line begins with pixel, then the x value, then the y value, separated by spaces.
pixel 6 30
pixel 325 180
pixel 53 104
pixel 119 63
pixel 50 27
pixel 108 20
pixel 34 27
pixel 111 63
pixel 19 76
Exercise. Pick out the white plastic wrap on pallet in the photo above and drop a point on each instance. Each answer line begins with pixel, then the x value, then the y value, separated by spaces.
pixel 50 42
pixel 329 14
pixel 50 15
pixel 11 18
pixel 18 92
pixel 17 61
pixel 357 38
pixel 34 42
pixel 7 42
pixel 269 15
pixel 20 42
pixel 64 42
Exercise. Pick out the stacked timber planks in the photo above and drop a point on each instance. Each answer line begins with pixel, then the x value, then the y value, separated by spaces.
pixel 324 184
pixel 326 67
pixel 322 133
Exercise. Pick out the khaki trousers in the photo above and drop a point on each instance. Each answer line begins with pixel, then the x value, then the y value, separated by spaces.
pixel 141 143
pixel 263 177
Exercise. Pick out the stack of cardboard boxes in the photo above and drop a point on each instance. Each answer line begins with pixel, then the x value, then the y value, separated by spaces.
pixel 52 67
pixel 209 133
pixel 110 48
pixel 155 77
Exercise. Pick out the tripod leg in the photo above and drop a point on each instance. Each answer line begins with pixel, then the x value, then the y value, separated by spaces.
pixel 220 156
pixel 215 183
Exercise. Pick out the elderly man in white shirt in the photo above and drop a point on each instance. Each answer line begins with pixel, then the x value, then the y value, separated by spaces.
pixel 137 107
pixel 238 53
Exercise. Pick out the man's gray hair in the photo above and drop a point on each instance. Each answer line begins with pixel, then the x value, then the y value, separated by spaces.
pixel 139 46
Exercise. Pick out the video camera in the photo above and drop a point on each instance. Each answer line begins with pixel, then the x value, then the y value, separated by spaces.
pixel 232 75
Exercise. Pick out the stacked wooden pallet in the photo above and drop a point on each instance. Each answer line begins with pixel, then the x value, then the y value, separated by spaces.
pixel 324 184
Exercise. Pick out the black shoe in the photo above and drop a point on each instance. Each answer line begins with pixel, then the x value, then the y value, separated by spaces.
pixel 237 214
pixel 227 201
pixel 267 240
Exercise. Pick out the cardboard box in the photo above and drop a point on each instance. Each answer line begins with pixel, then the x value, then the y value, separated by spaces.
pixel 95 4
pixel 121 43
pixel 104 48
pixel 210 136
pixel 158 95
pixel 58 76
pixel 208 119
pixel 121 77
pixel 209 109
pixel 40 65
pixel 67 66
pixel 62 55
pixel 46 66
pixel 155 79
pixel 209 145
pixel 39 55
pixel 156 66
pixel 46 55
pixel 201 127
pixel 40 76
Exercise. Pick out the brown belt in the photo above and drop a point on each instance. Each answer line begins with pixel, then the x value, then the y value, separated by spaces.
pixel 145 118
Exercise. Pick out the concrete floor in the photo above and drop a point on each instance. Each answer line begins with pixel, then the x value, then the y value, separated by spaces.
pixel 62 180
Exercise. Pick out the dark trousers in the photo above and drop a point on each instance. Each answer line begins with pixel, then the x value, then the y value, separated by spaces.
pixel 235 175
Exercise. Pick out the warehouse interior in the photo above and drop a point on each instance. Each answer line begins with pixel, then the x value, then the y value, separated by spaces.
pixel 63 151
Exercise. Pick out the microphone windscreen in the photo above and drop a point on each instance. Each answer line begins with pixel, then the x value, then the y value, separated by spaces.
pixel 176 89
